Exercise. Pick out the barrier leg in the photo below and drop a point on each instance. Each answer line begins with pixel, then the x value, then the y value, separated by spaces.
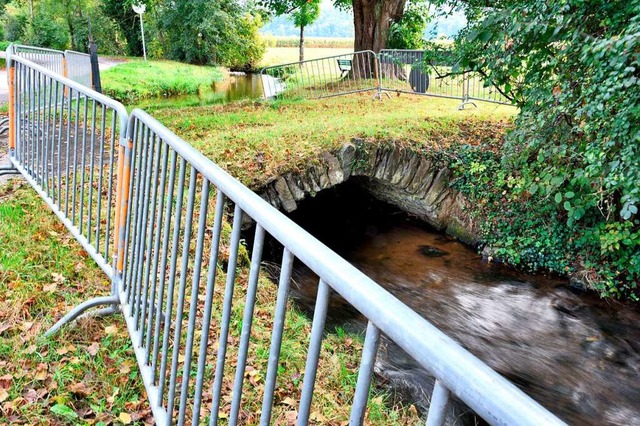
pixel 112 301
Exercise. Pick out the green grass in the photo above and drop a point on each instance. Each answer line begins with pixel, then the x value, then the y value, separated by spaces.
pixel 135 80
pixel 87 374
pixel 256 141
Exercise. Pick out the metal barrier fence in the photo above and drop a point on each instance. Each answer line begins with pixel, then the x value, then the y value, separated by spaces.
pixel 78 67
pixel 71 64
pixel 64 139
pixel 52 60
pixel 391 70
pixel 171 249
pixel 321 78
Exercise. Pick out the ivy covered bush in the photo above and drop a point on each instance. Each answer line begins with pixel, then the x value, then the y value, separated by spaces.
pixel 564 192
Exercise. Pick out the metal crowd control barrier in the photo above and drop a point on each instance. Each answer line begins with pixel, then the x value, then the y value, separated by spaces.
pixel 393 70
pixel 321 78
pixel 78 67
pixel 71 64
pixel 52 60
pixel 64 138
pixel 171 249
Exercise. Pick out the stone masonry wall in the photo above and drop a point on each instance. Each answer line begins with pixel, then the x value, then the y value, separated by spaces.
pixel 399 176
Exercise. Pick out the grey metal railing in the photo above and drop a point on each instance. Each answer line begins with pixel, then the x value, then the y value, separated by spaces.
pixel 65 142
pixel 170 209
pixel 50 59
pixel 391 70
pixel 78 66
pixel 71 64
pixel 321 78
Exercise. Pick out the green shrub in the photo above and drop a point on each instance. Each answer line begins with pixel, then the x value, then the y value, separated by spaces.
pixel 14 26
pixel 46 32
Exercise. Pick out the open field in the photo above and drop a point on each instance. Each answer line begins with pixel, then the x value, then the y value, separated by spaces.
pixel 284 55
pixel 330 42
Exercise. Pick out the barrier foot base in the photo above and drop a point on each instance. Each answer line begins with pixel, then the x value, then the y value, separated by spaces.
pixel 462 105
pixel 79 310
pixel 8 171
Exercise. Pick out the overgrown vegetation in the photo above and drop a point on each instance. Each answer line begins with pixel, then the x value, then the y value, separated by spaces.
pixel 136 80
pixel 569 172
pixel 87 374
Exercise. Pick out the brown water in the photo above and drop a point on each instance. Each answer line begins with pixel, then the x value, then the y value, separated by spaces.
pixel 233 88
pixel 576 354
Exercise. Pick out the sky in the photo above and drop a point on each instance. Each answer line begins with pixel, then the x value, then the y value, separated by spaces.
pixel 335 23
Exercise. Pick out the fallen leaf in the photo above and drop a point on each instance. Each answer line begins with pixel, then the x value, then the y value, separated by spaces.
pixel 4 327
pixel 41 375
pixel 93 348
pixel 3 395
pixel 30 395
pixel 291 417
pixel 50 288
pixel 79 388
pixel 124 418
pixel 65 350
pixel 57 278
pixel 289 401
pixel 112 329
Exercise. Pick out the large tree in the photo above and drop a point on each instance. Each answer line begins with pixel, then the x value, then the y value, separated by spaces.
pixel 372 19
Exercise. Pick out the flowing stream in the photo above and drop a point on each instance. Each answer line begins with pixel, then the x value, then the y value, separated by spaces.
pixel 576 354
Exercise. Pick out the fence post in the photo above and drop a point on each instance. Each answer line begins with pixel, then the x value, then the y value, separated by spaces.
pixel 12 101
pixel 122 202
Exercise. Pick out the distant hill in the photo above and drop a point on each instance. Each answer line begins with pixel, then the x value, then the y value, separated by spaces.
pixel 336 23
pixel 331 23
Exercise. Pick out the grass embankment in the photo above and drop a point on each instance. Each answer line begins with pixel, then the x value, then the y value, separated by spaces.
pixel 87 374
pixel 255 141
pixel 135 80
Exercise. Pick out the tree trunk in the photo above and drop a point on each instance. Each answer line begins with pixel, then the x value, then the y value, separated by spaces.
pixel 301 43
pixel 372 20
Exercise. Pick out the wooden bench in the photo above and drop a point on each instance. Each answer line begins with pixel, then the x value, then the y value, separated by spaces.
pixel 345 66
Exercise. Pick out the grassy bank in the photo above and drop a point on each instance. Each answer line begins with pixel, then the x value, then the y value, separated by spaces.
pixel 135 80
pixel 88 375
pixel 257 140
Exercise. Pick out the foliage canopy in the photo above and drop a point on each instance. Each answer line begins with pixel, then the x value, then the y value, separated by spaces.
pixel 572 162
